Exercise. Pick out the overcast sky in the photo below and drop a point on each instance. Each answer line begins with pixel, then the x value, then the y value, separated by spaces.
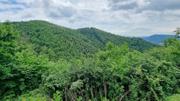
pixel 123 17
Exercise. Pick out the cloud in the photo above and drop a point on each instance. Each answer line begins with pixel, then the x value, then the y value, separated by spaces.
pixel 6 5
pixel 128 4
pixel 161 5
pixel 124 17
pixel 143 5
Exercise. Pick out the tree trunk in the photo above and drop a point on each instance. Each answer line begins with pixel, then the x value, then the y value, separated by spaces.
pixel 91 90
pixel 121 98
pixel 105 89
pixel 65 93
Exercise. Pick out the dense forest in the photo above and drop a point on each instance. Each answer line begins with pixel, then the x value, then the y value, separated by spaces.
pixel 40 61
pixel 60 42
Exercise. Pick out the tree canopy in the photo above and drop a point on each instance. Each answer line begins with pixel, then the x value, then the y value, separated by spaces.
pixel 35 67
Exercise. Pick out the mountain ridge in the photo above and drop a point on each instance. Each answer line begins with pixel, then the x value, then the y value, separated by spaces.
pixel 62 42
pixel 158 38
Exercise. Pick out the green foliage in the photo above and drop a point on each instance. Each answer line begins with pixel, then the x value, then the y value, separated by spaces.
pixel 174 97
pixel 52 63
pixel 55 41
pixel 57 96
pixel 119 73
pixel 20 68
pixel 7 62
pixel 60 42
pixel 100 38
pixel 35 95
pixel 31 68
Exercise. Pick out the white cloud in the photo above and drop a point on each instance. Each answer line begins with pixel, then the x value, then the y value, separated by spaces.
pixel 125 17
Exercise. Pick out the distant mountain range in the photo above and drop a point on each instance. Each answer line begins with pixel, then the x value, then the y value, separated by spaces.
pixel 158 38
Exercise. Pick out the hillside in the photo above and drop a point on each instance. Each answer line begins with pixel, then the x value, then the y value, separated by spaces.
pixel 56 41
pixel 113 73
pixel 100 38
pixel 158 38
pixel 62 42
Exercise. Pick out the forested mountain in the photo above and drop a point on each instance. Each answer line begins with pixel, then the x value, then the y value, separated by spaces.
pixel 56 41
pixel 40 61
pixel 61 42
pixel 100 39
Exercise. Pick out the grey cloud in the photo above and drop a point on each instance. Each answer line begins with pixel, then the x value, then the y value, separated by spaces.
pixel 14 2
pixel 52 10
pixel 9 5
pixel 122 4
pixel 162 5
pixel 60 12
pixel 128 6
pixel 155 5
pixel 14 9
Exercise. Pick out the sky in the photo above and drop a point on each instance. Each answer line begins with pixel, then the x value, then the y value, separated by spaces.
pixel 122 17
